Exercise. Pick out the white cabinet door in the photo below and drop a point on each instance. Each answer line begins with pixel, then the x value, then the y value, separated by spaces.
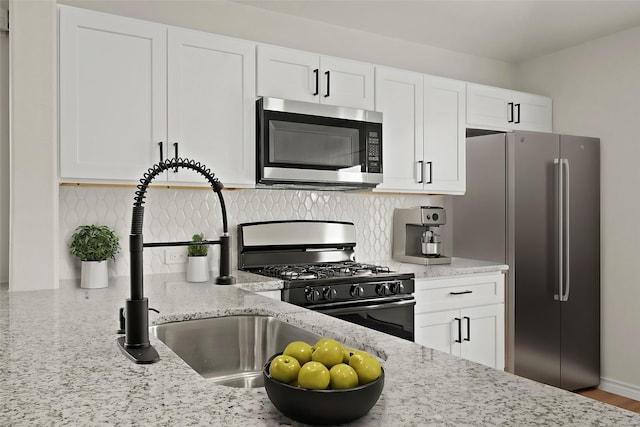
pixel 487 106
pixel 533 112
pixel 346 83
pixel 112 95
pixel 308 77
pixel 444 136
pixel 288 74
pixel 502 109
pixel 399 96
pixel 211 105
pixel 475 334
pixel 438 331
pixel 483 335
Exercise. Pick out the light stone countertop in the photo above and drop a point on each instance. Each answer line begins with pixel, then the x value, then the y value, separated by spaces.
pixel 60 365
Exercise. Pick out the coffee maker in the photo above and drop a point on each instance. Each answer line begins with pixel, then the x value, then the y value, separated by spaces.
pixel 416 235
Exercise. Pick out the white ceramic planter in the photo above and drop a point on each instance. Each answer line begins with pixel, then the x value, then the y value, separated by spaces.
pixel 94 275
pixel 198 269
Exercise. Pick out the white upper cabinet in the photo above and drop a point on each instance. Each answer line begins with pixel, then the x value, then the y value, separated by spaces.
pixel 133 93
pixel 502 109
pixel 423 132
pixel 444 136
pixel 211 93
pixel 113 95
pixel 308 77
pixel 399 96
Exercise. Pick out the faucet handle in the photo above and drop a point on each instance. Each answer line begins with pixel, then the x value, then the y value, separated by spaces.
pixel 121 320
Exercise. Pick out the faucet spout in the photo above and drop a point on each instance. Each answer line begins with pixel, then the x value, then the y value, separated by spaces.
pixel 135 344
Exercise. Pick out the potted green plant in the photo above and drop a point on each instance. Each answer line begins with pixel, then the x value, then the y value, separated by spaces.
pixel 198 266
pixel 94 245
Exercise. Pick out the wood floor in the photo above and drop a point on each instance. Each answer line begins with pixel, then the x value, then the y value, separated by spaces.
pixel 612 399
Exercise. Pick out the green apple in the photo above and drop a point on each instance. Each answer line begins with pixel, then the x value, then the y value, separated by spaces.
pixel 284 368
pixel 328 352
pixel 300 350
pixel 314 375
pixel 342 376
pixel 366 366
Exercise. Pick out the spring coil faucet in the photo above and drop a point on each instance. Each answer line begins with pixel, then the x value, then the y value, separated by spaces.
pixel 135 344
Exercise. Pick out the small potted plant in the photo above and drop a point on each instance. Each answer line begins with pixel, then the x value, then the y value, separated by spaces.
pixel 94 245
pixel 198 267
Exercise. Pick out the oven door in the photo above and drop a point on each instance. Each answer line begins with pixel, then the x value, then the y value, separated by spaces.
pixel 393 316
pixel 307 147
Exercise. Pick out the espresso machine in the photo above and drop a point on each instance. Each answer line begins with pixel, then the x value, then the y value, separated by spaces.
pixel 416 235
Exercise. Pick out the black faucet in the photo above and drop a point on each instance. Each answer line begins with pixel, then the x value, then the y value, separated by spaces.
pixel 135 344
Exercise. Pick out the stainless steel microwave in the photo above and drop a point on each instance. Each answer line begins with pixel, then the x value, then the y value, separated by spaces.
pixel 302 145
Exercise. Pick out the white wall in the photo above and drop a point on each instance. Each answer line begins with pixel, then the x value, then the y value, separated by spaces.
pixel 4 153
pixel 33 170
pixel 596 92
pixel 251 23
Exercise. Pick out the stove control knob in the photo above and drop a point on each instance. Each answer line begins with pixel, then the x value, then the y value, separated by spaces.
pixel 311 295
pixel 356 291
pixel 397 288
pixel 329 293
pixel 383 289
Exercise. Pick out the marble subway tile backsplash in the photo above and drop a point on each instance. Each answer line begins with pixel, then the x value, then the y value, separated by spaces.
pixel 176 214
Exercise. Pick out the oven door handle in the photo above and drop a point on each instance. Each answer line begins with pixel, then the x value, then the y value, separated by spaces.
pixel 352 308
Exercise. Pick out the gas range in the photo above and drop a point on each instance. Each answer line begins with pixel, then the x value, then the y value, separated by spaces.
pixel 316 261
pixel 323 285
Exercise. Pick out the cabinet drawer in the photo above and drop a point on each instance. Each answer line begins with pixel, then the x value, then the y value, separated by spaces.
pixel 458 292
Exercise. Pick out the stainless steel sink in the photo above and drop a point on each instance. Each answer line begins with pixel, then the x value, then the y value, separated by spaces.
pixel 230 350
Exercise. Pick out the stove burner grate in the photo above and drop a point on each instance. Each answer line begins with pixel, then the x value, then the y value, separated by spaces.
pixel 322 270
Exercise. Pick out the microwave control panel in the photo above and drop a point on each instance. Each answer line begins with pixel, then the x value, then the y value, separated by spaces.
pixel 374 152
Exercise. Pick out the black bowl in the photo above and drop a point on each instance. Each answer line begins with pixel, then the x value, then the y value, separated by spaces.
pixel 322 406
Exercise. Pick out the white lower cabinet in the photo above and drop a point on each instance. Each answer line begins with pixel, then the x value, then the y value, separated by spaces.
pixel 462 316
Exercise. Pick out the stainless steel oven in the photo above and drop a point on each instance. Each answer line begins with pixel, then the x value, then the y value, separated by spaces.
pixel 316 261
pixel 306 144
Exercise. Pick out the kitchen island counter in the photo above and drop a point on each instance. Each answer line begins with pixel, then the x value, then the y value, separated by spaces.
pixel 60 365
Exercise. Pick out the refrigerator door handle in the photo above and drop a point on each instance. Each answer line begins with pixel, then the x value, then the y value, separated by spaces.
pixel 566 231
pixel 560 202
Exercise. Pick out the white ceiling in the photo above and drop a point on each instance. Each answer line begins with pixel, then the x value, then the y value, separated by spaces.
pixel 508 30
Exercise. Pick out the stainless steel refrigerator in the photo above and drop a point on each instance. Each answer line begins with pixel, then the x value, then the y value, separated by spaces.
pixel 533 202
